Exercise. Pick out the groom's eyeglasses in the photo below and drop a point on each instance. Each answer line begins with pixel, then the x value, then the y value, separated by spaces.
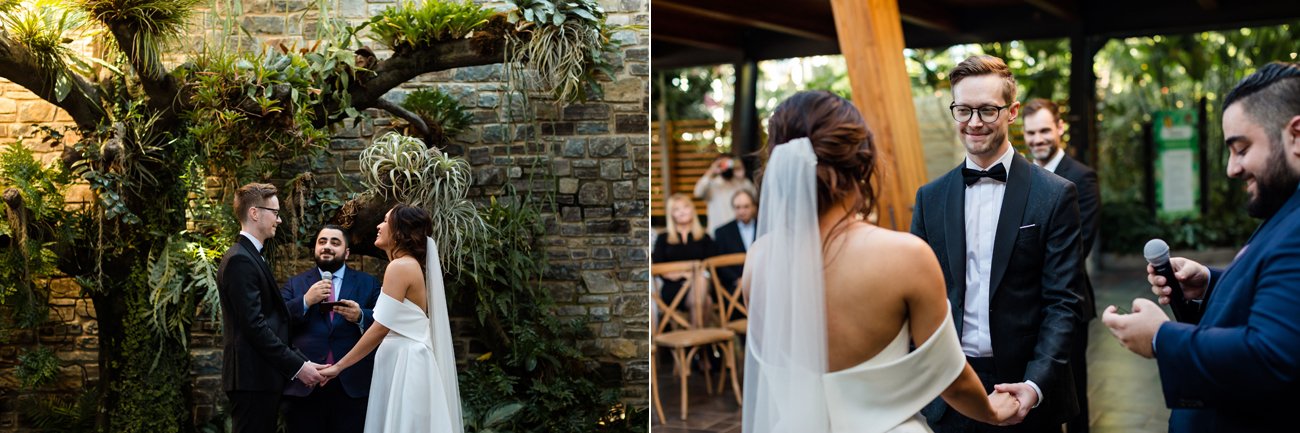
pixel 276 212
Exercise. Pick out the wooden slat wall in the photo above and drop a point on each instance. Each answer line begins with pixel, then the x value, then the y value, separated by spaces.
pixel 687 161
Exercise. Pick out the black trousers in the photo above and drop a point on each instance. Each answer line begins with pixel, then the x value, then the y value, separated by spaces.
pixel 954 422
pixel 1079 364
pixel 326 410
pixel 254 411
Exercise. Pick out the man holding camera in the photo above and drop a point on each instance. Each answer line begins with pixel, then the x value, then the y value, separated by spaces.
pixel 718 185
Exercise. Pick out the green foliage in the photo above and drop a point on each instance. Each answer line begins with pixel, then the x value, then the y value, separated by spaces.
pixel 534 359
pixel 54 414
pixel 45 27
pixel 155 21
pixel 441 112
pixel 37 367
pixel 178 274
pixel 412 26
pixel 154 371
pixel 567 46
pixel 238 117
pixel 30 234
pixel 404 169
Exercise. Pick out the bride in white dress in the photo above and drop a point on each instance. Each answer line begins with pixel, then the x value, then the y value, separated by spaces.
pixel 414 387
pixel 835 301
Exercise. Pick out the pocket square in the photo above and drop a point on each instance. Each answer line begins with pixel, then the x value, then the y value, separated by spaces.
pixel 1028 226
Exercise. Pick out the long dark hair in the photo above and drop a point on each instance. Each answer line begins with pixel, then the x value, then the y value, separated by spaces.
pixel 846 155
pixel 409 226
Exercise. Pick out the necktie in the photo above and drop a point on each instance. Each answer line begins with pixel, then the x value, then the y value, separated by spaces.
pixel 970 176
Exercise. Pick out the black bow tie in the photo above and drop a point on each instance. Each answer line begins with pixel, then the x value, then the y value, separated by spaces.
pixel 998 173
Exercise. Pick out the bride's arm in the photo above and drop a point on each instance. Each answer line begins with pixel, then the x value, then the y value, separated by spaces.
pixel 397 279
pixel 927 306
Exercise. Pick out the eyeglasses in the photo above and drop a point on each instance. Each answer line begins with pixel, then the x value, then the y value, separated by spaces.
pixel 276 212
pixel 988 113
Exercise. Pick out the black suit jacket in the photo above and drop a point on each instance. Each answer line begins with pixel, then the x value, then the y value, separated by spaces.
pixel 1085 182
pixel 726 241
pixel 255 324
pixel 1034 303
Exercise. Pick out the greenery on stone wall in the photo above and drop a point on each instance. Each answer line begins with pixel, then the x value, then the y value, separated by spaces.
pixel 161 151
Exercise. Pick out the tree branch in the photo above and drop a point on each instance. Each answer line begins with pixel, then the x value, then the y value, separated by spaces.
pixel 162 88
pixel 403 67
pixel 19 65
pixel 412 118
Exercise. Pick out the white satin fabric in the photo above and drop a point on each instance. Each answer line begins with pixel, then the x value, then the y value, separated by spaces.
pixel 886 393
pixel 414 386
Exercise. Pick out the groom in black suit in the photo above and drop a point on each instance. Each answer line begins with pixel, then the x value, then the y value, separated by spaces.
pixel 1043 132
pixel 1006 234
pixel 257 361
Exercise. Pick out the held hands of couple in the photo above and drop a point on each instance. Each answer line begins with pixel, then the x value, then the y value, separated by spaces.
pixel 310 374
pixel 1012 402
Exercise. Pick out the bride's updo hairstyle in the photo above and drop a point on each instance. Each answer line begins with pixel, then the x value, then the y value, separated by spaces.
pixel 846 156
pixel 409 226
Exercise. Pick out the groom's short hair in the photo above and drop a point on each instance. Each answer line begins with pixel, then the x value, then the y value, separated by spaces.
pixel 253 194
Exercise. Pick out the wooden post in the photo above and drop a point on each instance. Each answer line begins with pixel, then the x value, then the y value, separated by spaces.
pixel 1083 98
pixel 871 38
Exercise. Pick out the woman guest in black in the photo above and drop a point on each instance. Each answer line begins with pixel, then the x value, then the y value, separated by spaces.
pixel 685 239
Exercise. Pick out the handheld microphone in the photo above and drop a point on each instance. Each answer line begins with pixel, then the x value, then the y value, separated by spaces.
pixel 1157 254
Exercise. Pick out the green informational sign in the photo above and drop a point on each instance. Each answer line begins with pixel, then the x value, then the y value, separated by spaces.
pixel 1177 164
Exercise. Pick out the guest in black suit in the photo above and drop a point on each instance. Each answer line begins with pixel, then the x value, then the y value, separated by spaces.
pixel 1043 131
pixel 326 334
pixel 257 361
pixel 685 239
pixel 737 235
pixel 1006 234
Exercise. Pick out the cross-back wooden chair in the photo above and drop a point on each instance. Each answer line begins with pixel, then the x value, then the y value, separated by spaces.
pixel 677 333
pixel 730 301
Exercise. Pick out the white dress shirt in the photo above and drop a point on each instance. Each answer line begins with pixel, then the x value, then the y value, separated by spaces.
pixel 1054 162
pixel 983 208
pixel 746 232
pixel 256 243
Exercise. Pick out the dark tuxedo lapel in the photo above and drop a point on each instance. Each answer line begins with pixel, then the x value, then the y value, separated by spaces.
pixel 1019 181
pixel 953 210
pixel 251 250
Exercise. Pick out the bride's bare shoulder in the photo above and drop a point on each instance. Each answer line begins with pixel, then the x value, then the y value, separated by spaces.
pixel 893 249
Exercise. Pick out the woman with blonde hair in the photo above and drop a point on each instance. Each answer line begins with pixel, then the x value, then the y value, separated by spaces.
pixel 685 239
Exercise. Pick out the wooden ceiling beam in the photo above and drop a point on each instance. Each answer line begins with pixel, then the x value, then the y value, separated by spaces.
pixel 1059 8
pixel 745 14
pixel 927 17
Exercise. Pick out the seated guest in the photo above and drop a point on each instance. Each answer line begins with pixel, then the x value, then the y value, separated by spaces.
pixel 685 239
pixel 737 235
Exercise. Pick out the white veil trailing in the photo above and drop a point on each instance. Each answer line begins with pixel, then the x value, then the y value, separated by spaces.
pixel 786 355
pixel 441 333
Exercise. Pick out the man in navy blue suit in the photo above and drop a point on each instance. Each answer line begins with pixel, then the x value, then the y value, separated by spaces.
pixel 1235 365
pixel 325 334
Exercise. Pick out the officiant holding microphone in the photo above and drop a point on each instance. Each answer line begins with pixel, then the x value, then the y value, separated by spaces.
pixel 330 306
pixel 1231 360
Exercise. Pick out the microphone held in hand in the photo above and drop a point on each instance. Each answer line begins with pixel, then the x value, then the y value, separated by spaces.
pixel 1157 254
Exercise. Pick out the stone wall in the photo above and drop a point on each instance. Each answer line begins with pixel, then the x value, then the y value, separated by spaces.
pixel 592 157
